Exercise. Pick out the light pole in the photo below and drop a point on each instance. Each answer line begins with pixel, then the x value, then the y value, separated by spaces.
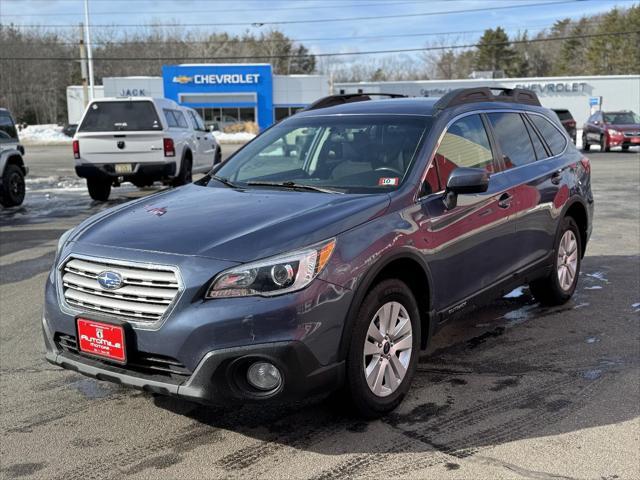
pixel 87 34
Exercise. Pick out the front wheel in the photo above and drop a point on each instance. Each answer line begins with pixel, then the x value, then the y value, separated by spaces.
pixel 604 144
pixel 384 348
pixel 558 287
pixel 585 143
pixel 99 188
pixel 13 189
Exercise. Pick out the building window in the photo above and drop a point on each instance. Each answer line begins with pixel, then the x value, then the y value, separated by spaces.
pixel 283 112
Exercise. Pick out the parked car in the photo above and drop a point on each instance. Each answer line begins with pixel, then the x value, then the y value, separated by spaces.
pixel 12 166
pixel 141 140
pixel 280 274
pixel 221 122
pixel 611 129
pixel 568 122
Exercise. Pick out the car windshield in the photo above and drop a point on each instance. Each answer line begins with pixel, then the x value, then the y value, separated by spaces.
pixel 344 153
pixel 621 118
pixel 120 116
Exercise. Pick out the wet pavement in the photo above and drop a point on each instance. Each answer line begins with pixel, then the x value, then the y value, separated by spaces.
pixel 514 390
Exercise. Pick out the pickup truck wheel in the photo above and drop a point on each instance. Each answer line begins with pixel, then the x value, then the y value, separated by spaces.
pixel 12 193
pixel 184 176
pixel 558 287
pixel 99 188
pixel 384 348
pixel 218 158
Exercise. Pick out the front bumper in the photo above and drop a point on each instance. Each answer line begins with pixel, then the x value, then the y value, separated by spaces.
pixel 140 170
pixel 209 341
pixel 218 377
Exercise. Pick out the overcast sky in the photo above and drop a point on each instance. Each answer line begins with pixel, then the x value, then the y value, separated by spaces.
pixel 413 17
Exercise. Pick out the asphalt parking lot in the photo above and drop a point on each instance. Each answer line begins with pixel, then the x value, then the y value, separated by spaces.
pixel 513 391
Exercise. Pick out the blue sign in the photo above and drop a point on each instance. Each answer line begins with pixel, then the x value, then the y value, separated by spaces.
pixel 594 101
pixel 222 86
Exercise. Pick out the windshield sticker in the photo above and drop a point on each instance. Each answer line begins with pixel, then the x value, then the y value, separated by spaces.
pixel 388 181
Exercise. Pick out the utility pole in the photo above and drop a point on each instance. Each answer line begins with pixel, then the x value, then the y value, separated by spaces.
pixel 83 67
pixel 87 33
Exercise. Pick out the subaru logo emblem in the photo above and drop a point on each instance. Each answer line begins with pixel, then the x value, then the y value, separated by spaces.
pixel 121 144
pixel 109 280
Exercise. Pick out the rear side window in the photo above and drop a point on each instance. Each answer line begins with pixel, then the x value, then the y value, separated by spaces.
pixel 538 146
pixel 513 138
pixel 171 119
pixel 196 120
pixel 8 131
pixel 556 141
pixel 182 122
pixel 465 144
pixel 120 116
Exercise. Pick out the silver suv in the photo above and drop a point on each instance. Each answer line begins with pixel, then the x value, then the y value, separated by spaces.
pixel 12 165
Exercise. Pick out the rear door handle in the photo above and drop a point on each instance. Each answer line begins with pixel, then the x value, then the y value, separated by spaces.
pixel 556 178
pixel 505 200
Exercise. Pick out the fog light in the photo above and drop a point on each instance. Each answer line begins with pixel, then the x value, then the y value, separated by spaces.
pixel 264 376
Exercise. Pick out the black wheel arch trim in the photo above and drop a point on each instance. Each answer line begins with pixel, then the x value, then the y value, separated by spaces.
pixel 576 199
pixel 365 284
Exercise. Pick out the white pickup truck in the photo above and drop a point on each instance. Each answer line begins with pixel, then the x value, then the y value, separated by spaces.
pixel 141 140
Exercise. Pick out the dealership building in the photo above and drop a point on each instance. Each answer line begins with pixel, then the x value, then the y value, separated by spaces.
pixel 251 92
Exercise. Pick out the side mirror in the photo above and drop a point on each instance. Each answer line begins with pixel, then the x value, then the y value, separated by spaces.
pixel 465 180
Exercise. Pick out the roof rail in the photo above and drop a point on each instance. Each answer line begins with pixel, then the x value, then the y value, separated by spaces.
pixel 342 98
pixel 461 96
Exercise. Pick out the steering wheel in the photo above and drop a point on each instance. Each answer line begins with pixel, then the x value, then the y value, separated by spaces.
pixel 389 169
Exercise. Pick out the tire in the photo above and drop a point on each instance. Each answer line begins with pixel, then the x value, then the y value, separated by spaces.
pixel 585 143
pixel 625 148
pixel 99 188
pixel 184 176
pixel 218 157
pixel 397 298
pixel 13 189
pixel 556 289
pixel 604 145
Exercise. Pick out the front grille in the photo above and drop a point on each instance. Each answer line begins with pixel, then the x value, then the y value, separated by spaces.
pixel 140 362
pixel 145 296
pixel 632 134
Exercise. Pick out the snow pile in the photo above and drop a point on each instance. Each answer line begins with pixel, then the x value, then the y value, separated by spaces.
pixel 239 137
pixel 50 134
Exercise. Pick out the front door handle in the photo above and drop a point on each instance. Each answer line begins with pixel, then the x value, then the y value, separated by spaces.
pixel 505 200
pixel 556 178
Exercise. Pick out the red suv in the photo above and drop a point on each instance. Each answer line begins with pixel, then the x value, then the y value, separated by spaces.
pixel 611 129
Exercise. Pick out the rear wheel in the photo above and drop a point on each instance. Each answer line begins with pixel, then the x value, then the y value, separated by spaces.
pixel 383 351
pixel 184 176
pixel 558 287
pixel 99 188
pixel 13 189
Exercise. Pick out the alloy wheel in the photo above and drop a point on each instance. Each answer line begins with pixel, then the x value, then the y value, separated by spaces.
pixel 387 349
pixel 567 261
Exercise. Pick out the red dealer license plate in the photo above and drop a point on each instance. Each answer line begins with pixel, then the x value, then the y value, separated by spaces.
pixel 103 340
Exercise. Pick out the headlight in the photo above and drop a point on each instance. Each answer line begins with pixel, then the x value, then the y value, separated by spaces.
pixel 614 132
pixel 274 276
pixel 61 243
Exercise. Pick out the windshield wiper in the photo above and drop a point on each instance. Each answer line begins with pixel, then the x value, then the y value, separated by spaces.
pixel 225 181
pixel 293 186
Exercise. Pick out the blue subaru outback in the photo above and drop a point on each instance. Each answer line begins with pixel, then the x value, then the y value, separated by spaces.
pixel 324 254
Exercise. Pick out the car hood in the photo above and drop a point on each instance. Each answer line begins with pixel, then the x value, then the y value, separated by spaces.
pixel 229 224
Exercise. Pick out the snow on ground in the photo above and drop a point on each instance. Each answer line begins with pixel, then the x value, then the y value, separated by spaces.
pixel 50 134
pixel 240 137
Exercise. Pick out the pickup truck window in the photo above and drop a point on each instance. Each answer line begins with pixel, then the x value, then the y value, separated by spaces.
pixel 124 116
